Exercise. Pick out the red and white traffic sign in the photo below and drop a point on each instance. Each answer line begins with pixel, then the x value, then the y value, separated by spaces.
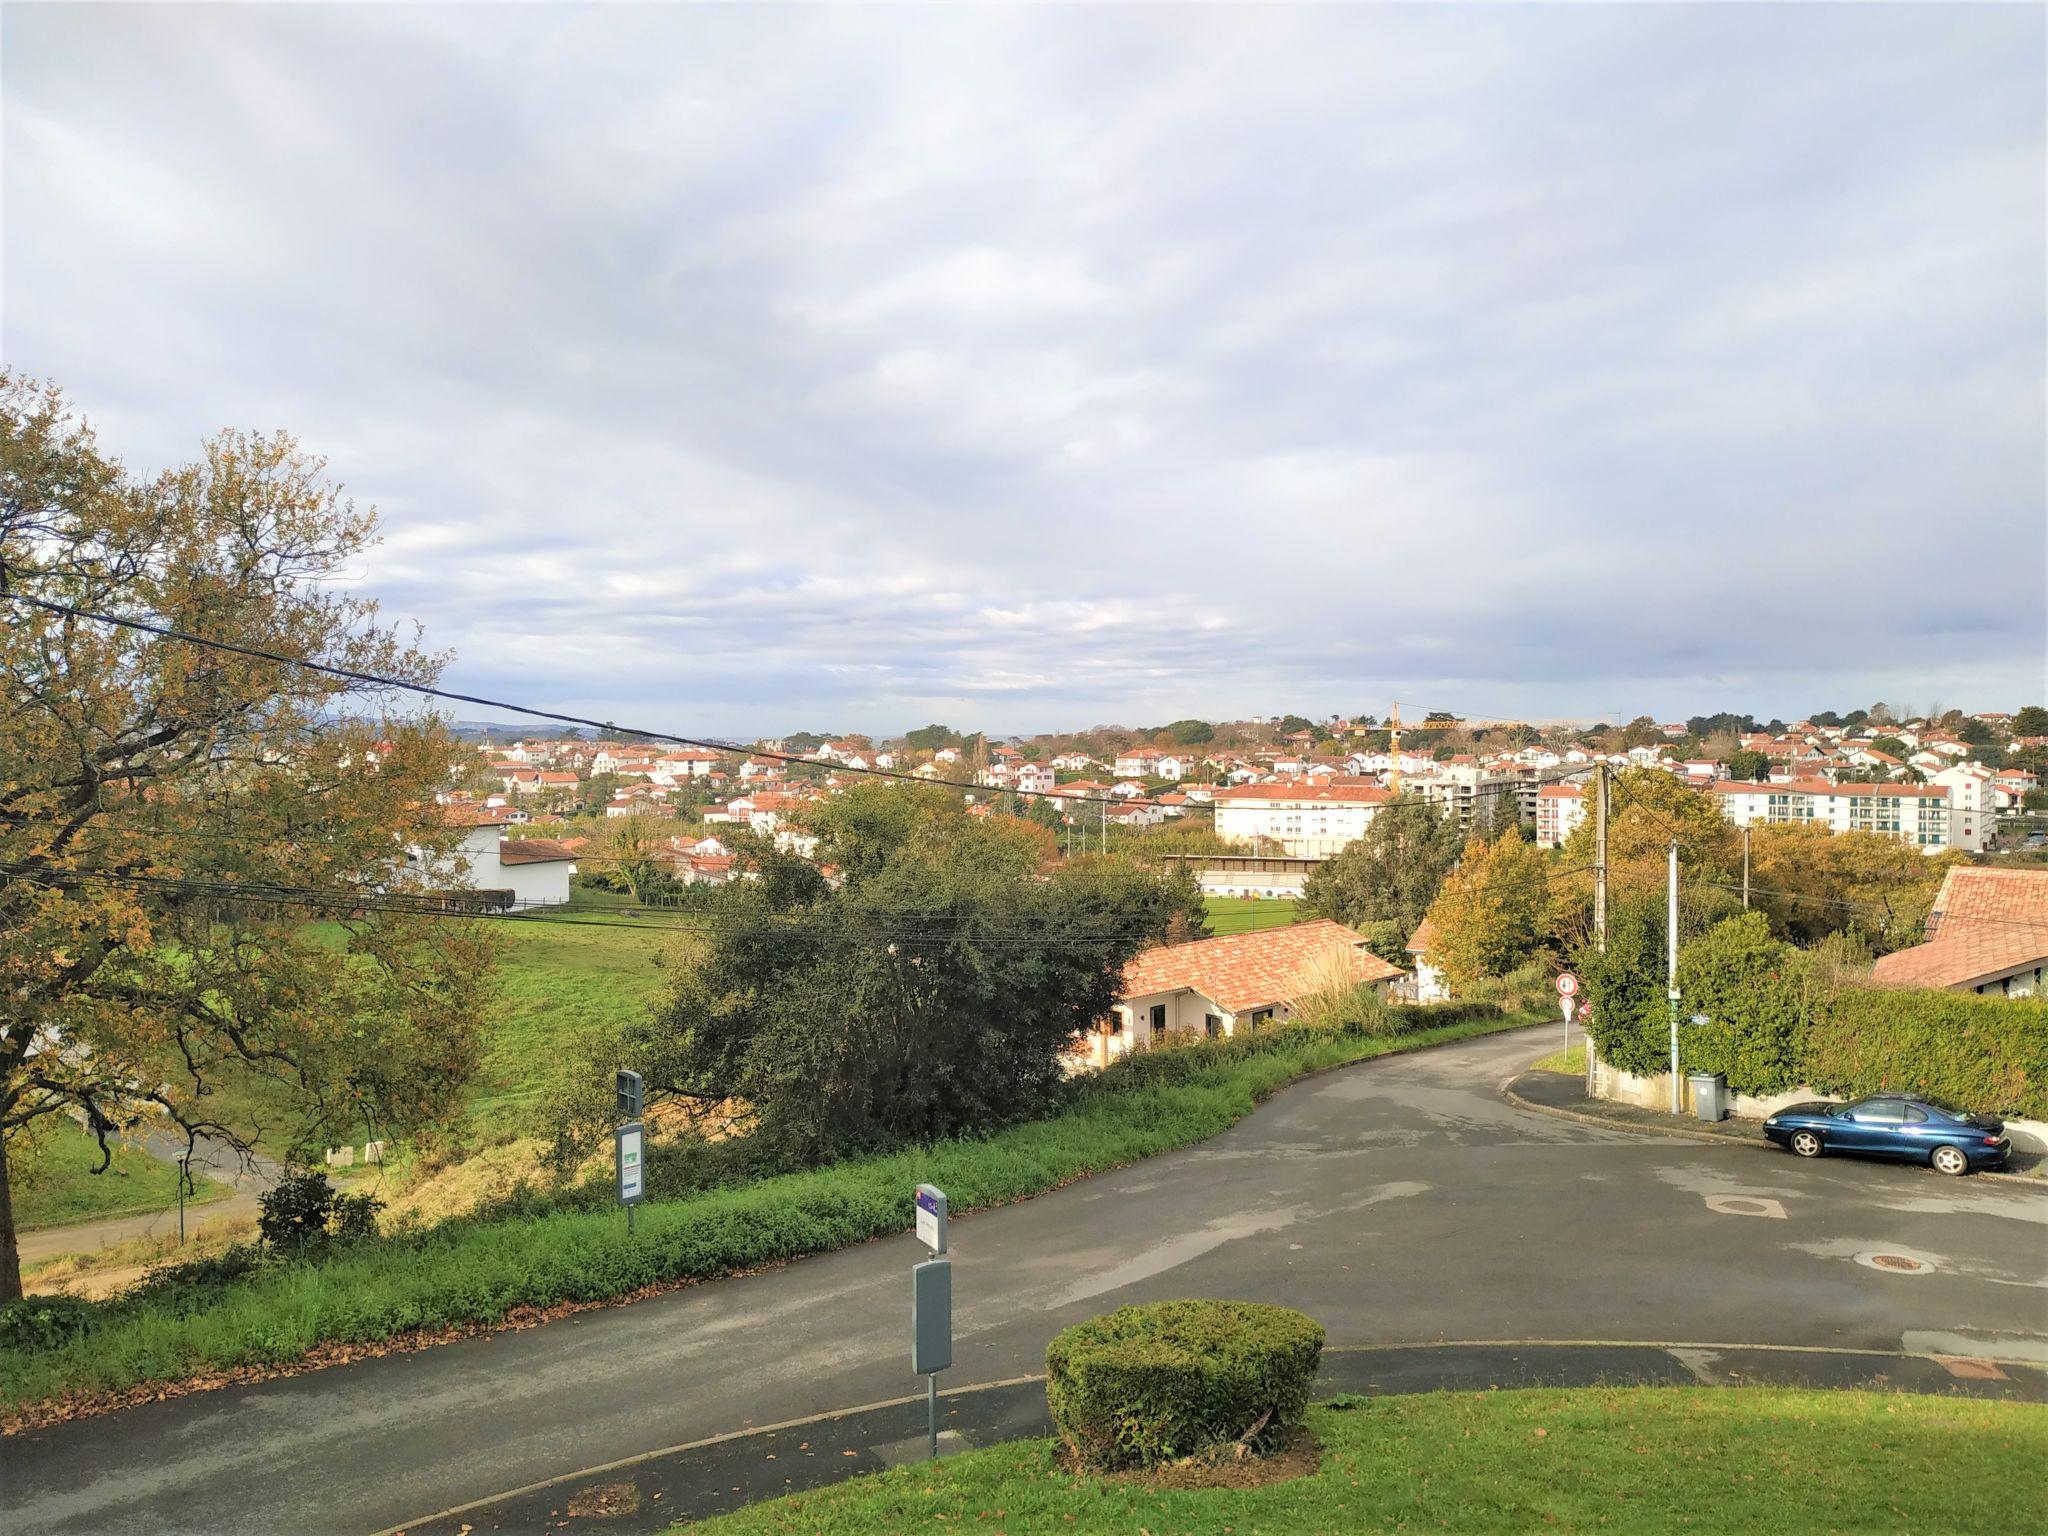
pixel 1567 984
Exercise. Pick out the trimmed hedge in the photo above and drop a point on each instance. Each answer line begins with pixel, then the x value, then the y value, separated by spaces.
pixel 1148 1384
pixel 1982 1053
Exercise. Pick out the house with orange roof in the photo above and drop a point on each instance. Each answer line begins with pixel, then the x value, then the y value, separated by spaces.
pixel 1212 987
pixel 1986 933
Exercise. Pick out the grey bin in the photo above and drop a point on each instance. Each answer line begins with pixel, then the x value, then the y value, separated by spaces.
pixel 1709 1094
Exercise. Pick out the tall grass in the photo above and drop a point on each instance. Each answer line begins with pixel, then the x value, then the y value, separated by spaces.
pixel 469 1273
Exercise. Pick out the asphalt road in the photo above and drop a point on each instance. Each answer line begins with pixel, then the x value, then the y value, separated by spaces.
pixel 1399 1201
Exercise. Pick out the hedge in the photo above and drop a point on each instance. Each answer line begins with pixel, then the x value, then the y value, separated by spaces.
pixel 1148 1384
pixel 1981 1053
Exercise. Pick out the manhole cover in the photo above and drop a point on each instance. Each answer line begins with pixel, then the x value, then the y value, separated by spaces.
pixel 1899 1263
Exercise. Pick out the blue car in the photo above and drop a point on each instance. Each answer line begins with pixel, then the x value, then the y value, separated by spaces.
pixel 1899 1126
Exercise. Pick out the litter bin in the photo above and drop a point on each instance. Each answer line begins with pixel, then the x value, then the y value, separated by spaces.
pixel 1710 1095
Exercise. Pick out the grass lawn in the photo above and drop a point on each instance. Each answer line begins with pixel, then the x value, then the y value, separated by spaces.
pixel 1573 1060
pixel 1641 1459
pixel 464 1273
pixel 1245 914
pixel 53 1182
pixel 552 980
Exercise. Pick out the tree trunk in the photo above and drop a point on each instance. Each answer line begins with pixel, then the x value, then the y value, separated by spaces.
pixel 10 1251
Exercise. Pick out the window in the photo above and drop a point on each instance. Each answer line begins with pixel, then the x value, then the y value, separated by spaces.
pixel 1879 1112
pixel 1915 1116
pixel 1212 1025
pixel 1159 1018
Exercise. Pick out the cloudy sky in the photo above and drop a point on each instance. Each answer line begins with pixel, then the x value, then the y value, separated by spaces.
pixel 743 369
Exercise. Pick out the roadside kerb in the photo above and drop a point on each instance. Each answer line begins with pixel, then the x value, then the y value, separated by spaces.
pixel 1713 1138
pixel 693 1481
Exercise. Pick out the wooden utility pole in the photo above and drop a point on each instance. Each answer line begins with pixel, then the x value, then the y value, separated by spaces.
pixel 1745 866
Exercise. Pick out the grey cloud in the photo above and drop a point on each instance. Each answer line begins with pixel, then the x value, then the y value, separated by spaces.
pixel 734 368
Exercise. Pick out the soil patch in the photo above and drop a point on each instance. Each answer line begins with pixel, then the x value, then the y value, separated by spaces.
pixel 1296 1453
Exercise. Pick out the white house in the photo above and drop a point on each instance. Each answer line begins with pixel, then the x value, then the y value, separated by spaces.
pixel 1307 820
pixel 1213 986
pixel 1430 985
pixel 536 870
pixel 1033 778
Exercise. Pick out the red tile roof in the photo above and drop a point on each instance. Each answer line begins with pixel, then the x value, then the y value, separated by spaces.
pixel 1985 922
pixel 534 850
pixel 1254 970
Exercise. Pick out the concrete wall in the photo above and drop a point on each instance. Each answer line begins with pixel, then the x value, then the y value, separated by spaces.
pixel 1654 1092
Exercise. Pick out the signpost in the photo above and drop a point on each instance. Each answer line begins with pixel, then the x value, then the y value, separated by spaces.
pixel 629 1145
pixel 931 1307
pixel 1567 989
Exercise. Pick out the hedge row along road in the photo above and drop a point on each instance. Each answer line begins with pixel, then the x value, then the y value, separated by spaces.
pixel 1396 1201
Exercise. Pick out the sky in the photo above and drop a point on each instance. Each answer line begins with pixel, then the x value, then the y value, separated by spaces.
pixel 738 370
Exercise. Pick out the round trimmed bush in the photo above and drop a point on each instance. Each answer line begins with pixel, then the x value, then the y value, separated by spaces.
pixel 1148 1384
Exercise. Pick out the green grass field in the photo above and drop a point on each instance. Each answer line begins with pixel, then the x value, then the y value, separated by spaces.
pixel 553 979
pixel 53 1182
pixel 1637 1460
pixel 1246 914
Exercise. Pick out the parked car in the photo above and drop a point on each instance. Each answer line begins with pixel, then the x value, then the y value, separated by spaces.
pixel 1899 1126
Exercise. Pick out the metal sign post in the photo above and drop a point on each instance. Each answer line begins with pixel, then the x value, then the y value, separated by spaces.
pixel 1567 989
pixel 931 1307
pixel 629 1145
pixel 629 1148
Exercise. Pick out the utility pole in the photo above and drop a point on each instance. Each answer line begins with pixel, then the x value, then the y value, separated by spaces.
pixel 1600 857
pixel 1671 973
pixel 1745 866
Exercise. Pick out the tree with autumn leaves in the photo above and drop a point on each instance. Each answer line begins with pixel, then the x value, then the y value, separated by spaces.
pixel 199 849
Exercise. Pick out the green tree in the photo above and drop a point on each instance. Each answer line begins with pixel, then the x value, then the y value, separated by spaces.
pixel 134 768
pixel 2032 720
pixel 1755 991
pixel 1751 767
pixel 1291 724
pixel 632 850
pixel 1382 882
pixel 929 738
pixel 1813 882
pixel 1190 733
pixel 935 996
pixel 1493 911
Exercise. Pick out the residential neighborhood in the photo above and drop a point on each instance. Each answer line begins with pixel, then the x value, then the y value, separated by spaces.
pixel 1034 770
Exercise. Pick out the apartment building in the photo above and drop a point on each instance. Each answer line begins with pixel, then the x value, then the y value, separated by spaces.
pixel 1913 813
pixel 1559 808
pixel 1304 819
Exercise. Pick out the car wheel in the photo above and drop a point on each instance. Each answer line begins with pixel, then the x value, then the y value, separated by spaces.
pixel 1950 1160
pixel 1807 1144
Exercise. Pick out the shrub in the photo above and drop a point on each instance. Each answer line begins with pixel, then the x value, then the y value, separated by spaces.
pixel 301 1214
pixel 1982 1053
pixel 1413 1016
pixel 43 1322
pixel 1148 1384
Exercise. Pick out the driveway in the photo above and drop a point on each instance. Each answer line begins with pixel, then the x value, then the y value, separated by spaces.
pixel 1399 1201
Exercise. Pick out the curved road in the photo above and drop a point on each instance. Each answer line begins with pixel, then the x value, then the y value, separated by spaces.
pixel 1398 1201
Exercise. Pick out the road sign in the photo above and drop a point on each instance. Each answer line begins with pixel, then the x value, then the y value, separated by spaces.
pixel 931 1316
pixel 630 1148
pixel 1565 1004
pixel 931 1217
pixel 1700 1018
pixel 1585 1012
pixel 630 1098
pixel 1567 984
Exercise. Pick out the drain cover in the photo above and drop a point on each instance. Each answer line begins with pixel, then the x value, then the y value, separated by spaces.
pixel 1899 1263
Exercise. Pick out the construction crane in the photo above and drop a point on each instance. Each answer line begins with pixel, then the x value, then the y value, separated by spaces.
pixel 1437 720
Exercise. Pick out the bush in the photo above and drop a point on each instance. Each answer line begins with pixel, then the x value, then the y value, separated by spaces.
pixel 1149 1384
pixel 301 1214
pixel 1981 1053
pixel 43 1322
pixel 1413 1016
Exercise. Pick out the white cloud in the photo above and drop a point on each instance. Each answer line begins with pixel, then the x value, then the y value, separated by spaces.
pixel 743 368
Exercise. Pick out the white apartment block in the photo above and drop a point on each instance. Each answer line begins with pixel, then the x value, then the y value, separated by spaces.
pixel 1913 813
pixel 1973 802
pixel 1033 778
pixel 1299 819
pixel 1559 809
